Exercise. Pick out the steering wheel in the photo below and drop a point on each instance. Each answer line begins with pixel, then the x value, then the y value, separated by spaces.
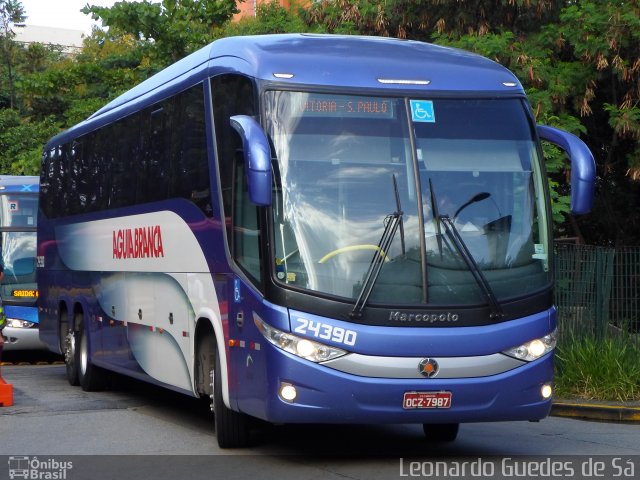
pixel 352 248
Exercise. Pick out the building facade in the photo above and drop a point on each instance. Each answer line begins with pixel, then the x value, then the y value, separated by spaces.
pixel 249 8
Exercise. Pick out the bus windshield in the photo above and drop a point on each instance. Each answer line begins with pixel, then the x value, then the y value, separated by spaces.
pixel 471 161
pixel 18 229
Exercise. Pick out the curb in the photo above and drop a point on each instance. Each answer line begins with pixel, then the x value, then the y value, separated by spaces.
pixel 601 412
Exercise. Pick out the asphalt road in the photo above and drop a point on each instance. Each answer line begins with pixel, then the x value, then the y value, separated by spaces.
pixel 135 430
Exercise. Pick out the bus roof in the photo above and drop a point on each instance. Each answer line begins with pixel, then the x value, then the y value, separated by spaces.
pixel 343 61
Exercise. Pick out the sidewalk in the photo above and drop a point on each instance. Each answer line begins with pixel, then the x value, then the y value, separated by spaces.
pixel 628 412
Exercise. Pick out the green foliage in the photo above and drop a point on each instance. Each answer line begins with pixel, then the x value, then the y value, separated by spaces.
pixel 625 122
pixel 270 17
pixel 70 86
pixel 11 11
pixel 556 163
pixel 21 142
pixel 421 20
pixel 604 369
pixel 602 38
pixel 168 30
pixel 578 61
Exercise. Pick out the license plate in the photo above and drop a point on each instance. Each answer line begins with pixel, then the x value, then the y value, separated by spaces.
pixel 413 400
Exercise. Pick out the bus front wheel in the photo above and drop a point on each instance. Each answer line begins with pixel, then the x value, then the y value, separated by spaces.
pixel 232 428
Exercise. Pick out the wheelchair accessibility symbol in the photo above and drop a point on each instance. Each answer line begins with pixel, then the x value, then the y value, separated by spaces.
pixel 422 111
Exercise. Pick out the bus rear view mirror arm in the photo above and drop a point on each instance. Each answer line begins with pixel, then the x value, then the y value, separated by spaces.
pixel 583 167
pixel 257 158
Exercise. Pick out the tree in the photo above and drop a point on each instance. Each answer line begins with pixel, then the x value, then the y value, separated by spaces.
pixel 74 87
pixel 11 12
pixel 271 17
pixel 170 29
pixel 421 19
pixel 21 142
pixel 579 63
pixel 602 37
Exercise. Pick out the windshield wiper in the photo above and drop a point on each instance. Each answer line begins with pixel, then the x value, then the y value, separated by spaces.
pixel 461 246
pixel 436 217
pixel 391 224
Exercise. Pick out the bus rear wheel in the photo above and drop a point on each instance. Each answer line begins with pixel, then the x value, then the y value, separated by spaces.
pixel 232 428
pixel 70 357
pixel 91 378
pixel 441 432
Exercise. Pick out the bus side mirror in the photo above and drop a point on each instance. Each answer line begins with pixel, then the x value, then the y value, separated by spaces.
pixel 24 266
pixel 583 167
pixel 257 158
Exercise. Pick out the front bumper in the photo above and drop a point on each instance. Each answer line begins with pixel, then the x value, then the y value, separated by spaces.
pixel 22 339
pixel 325 395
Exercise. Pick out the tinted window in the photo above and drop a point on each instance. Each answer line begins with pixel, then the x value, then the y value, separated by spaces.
pixel 152 155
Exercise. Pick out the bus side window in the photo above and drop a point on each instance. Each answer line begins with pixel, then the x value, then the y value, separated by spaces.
pixel 234 95
pixel 46 178
pixel 57 176
pixel 156 153
pixel 246 239
pixel 190 165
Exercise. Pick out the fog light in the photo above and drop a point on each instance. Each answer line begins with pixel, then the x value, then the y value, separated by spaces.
pixel 288 392
pixel 546 391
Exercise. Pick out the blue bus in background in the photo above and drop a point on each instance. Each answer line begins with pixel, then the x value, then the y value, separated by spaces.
pixel 18 220
pixel 311 229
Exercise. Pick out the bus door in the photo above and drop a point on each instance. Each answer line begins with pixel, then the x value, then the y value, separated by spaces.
pixel 244 296
pixel 247 376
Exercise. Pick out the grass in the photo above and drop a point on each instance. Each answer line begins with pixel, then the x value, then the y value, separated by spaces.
pixel 598 369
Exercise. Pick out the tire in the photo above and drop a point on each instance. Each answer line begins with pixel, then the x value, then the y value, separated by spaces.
pixel 205 362
pixel 71 356
pixel 441 432
pixel 91 378
pixel 232 428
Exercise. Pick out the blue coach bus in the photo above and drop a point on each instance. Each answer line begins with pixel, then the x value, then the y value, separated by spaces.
pixel 311 229
pixel 18 218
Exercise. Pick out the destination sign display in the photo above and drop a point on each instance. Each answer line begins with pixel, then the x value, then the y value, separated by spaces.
pixel 343 106
pixel 24 293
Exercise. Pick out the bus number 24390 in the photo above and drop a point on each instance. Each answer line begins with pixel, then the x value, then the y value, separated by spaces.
pixel 324 331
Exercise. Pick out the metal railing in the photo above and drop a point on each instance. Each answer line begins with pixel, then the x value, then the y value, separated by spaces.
pixel 598 290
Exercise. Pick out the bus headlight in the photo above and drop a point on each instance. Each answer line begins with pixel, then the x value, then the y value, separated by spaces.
pixel 534 349
pixel 302 347
pixel 16 323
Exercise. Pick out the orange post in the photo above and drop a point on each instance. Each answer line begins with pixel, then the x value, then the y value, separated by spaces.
pixel 6 393
pixel 6 389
